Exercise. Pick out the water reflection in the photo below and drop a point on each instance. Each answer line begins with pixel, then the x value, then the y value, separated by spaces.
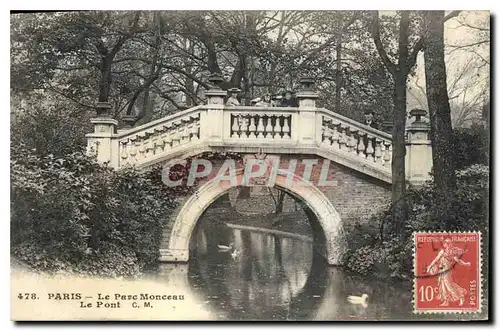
pixel 277 278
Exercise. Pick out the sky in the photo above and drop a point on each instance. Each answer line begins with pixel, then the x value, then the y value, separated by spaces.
pixel 467 71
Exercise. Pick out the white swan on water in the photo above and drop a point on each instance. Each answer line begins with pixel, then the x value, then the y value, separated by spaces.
pixel 355 300
pixel 224 248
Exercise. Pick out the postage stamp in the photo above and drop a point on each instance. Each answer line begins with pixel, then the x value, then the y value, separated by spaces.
pixel 447 269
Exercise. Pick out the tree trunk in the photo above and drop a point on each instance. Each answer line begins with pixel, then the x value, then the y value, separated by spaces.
pixel 279 203
pixel 399 72
pixel 105 79
pixel 399 151
pixel 244 192
pixel 439 109
pixel 189 82
pixel 223 202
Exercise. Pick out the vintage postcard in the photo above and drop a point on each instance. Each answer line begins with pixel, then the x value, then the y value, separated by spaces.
pixel 264 165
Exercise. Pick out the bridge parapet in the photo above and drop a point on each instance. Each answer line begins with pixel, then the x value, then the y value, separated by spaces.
pixel 142 144
pixel 345 135
pixel 300 130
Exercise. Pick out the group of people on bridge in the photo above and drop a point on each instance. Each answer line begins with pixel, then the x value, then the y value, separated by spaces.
pixel 286 99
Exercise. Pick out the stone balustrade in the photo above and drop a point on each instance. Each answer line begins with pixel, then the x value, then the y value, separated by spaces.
pixel 158 138
pixel 344 135
pixel 301 130
pixel 261 123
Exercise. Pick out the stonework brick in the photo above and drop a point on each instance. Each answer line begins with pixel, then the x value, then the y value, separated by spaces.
pixel 354 195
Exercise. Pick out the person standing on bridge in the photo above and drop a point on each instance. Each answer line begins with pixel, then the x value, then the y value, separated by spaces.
pixel 265 101
pixel 370 121
pixel 288 99
pixel 233 94
pixel 276 100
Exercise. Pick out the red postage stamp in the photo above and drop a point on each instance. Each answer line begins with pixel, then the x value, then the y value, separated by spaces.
pixel 447 269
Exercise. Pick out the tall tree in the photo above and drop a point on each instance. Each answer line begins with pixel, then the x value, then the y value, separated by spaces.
pixel 399 71
pixel 439 109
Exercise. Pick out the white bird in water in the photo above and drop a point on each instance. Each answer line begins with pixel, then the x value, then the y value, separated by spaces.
pixel 224 248
pixel 355 300
pixel 235 254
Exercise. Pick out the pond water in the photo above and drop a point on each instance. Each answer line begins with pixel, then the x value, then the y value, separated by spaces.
pixel 272 277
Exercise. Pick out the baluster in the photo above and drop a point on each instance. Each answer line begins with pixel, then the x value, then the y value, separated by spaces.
pixel 382 151
pixel 252 128
pixel 236 127
pixel 133 149
pixel 388 153
pixel 167 136
pixel 189 128
pixel 159 140
pixel 269 128
pixel 176 137
pixel 244 127
pixel 195 127
pixel 124 154
pixel 260 127
pixel 184 134
pixel 335 135
pixel 160 143
pixel 277 128
pixel 168 140
pixel 378 151
pixel 286 128
pixel 163 143
pixel 142 148
pixel 351 143
pixel 343 138
pixel 327 135
pixel 361 144
pixel 369 148
pixel 150 148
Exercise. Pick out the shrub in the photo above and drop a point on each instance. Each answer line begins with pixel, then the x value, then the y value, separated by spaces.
pixel 70 213
pixel 390 254
pixel 471 146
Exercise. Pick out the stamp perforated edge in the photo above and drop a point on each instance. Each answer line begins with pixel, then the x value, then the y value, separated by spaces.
pixel 480 273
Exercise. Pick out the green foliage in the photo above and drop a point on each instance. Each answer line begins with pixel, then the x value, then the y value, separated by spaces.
pixel 471 146
pixel 69 213
pixel 258 51
pixel 49 126
pixel 387 253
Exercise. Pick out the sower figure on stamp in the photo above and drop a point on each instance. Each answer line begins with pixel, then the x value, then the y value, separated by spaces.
pixel 442 266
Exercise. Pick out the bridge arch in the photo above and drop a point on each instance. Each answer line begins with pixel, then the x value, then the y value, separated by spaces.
pixel 327 217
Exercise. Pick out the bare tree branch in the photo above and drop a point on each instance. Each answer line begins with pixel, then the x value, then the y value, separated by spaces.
pixel 391 67
pixel 412 59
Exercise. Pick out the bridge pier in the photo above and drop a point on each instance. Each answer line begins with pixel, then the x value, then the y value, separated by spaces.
pixel 102 142
pixel 418 161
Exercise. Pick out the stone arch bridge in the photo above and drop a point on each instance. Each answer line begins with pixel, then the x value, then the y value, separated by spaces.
pixel 357 159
